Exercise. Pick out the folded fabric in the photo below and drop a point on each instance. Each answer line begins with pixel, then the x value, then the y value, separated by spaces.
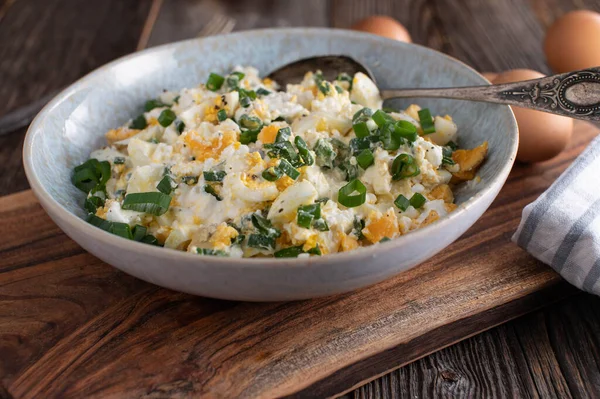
pixel 562 227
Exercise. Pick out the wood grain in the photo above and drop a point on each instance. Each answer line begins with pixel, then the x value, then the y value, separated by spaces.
pixel 71 326
pixel 536 356
pixel 48 45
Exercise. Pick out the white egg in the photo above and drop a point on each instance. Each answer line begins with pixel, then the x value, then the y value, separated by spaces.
pixel 365 92
pixel 286 204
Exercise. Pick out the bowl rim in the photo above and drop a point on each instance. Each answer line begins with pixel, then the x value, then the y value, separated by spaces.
pixel 52 206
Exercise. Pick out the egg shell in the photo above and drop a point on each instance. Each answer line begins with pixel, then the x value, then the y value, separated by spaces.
pixel 490 75
pixel 541 135
pixel 573 41
pixel 383 26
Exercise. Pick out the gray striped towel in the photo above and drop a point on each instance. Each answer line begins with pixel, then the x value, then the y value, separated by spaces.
pixel 562 227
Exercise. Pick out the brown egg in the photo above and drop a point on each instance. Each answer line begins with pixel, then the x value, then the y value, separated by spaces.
pixel 383 26
pixel 573 41
pixel 541 135
pixel 490 75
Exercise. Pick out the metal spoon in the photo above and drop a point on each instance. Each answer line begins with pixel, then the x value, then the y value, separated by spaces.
pixel 573 94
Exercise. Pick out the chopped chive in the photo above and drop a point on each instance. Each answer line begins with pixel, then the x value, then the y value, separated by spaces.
pixel 116 228
pixel 321 83
pixel 406 130
pixel 90 174
pixel 211 190
pixel 453 146
pixel 246 97
pixel 315 251
pixel 233 80
pixel 338 89
pixel 165 185
pixel 119 160
pixel 402 202
pixel 322 200
pixel 264 226
pixel 325 153
pixel 249 136
pixel 305 154
pixel 417 200
pixel 321 225
pixel 149 239
pixel 92 203
pixel 382 119
pixel 176 99
pixel 304 219
pixel 404 166
pixel 189 180
pixel 291 252
pixel 352 194
pixel 283 134
pixel 389 139
pixel 288 169
pixel 344 77
pixel 447 156
pixel 358 226
pixel 139 123
pixel 166 117
pixel 313 209
pixel 362 115
pixel 139 232
pixel 426 121
pixel 221 115
pixel 365 159
pixel 350 169
pixel 214 175
pixel 284 150
pixel 261 241
pixel 179 126
pixel 210 252
pixel 214 82
pixel 250 122
pixel 155 203
pixel 385 239
pixel 263 92
pixel 361 129
pixel 358 144
pixel 272 173
pixel 154 103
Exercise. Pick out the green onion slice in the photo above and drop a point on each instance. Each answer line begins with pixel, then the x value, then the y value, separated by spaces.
pixel 139 123
pixel 325 153
pixel 154 103
pixel 404 166
pixel 417 200
pixel 264 226
pixel 210 252
pixel 272 173
pixel 179 126
pixel 261 241
pixel 406 130
pixel 361 129
pixel 211 190
pixel 250 122
pixel 221 115
pixel 291 252
pixel 92 203
pixel 402 202
pixel 214 82
pixel 165 185
pixel 155 203
pixel 426 121
pixel 90 174
pixel 283 134
pixel 166 117
pixel 304 219
pixel 321 225
pixel 214 175
pixel 284 150
pixel 389 139
pixel 305 154
pixel 288 169
pixel 381 118
pixel 119 160
pixel 365 158
pixel 352 194
pixel 139 232
pixel 262 92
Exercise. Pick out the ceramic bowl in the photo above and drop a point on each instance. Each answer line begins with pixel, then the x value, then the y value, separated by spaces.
pixel 73 124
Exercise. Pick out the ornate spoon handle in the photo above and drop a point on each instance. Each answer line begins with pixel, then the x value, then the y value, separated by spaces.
pixel 573 94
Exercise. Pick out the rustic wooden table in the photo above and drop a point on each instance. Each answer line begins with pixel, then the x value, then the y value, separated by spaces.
pixel 45 45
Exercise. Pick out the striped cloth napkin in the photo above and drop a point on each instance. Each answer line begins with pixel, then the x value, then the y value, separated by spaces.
pixel 562 227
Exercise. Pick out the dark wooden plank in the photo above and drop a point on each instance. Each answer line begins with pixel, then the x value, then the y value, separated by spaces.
pixel 190 16
pixel 46 46
pixel 71 326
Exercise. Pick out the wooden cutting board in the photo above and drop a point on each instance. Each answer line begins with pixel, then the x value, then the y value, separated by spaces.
pixel 72 326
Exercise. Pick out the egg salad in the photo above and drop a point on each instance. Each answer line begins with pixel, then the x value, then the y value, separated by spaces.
pixel 240 167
